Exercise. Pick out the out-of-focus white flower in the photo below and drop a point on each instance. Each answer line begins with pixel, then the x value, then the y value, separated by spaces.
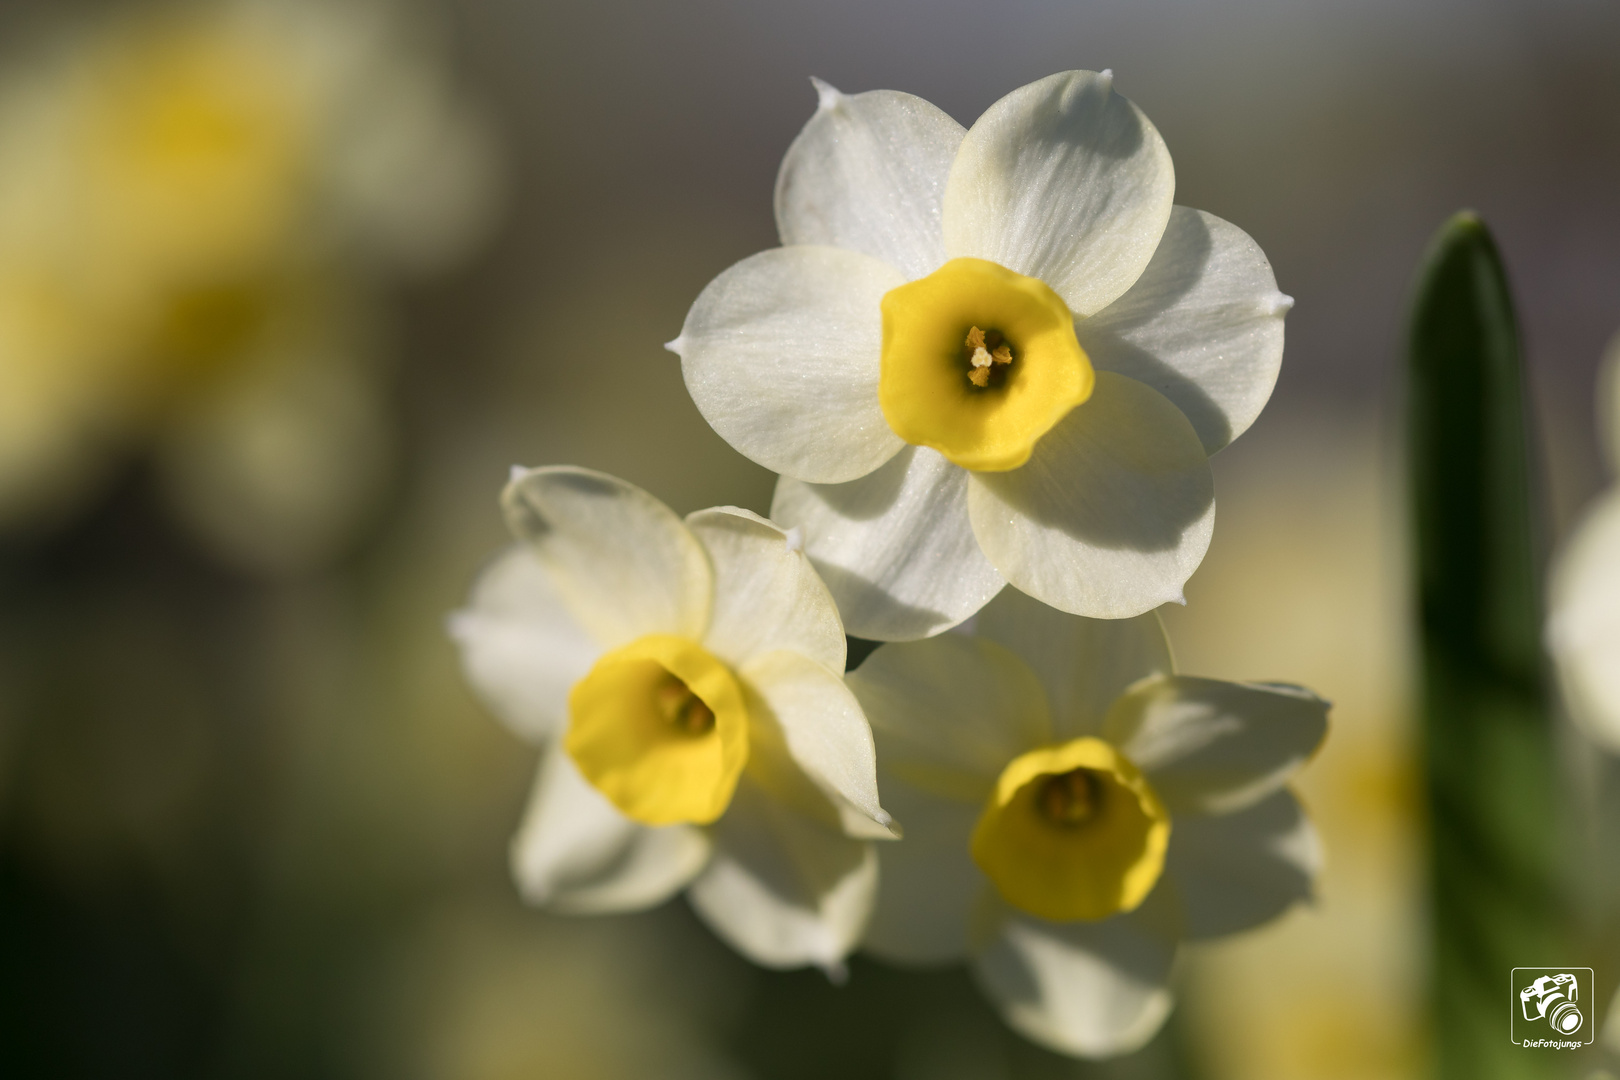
pixel 1074 809
pixel 1583 624
pixel 194 205
pixel 988 356
pixel 686 680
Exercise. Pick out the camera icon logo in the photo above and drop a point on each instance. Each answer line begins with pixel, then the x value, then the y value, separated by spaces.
pixel 1550 1007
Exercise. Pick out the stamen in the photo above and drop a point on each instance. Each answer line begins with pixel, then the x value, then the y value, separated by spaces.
pixel 988 350
pixel 1071 798
pixel 684 709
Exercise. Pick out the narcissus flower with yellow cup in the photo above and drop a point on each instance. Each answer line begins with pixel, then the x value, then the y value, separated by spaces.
pixel 1074 809
pixel 1583 622
pixel 685 680
pixel 198 204
pixel 988 356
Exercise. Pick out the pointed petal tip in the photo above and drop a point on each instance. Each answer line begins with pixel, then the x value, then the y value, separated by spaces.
pixel 794 538
pixel 676 344
pixel 1279 304
pixel 1179 598
pixel 837 971
pixel 1106 78
pixel 896 830
pixel 828 96
pixel 515 473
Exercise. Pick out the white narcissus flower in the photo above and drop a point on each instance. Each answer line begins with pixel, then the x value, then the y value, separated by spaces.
pixel 988 356
pixel 1583 624
pixel 1074 809
pixel 686 681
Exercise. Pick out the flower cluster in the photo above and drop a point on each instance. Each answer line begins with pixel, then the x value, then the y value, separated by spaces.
pixel 196 203
pixel 981 357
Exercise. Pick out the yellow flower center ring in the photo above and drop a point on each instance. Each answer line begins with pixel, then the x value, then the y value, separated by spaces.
pixel 978 363
pixel 660 728
pixel 1072 832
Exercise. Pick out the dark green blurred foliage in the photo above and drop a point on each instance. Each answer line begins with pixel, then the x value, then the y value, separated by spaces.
pixel 892 1024
pixel 1490 767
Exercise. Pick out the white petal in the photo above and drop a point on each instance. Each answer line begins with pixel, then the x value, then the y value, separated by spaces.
pixel 767 596
pixel 521 649
pixel 621 560
pixel 1084 664
pixel 784 889
pixel 896 547
pixel 1083 988
pixel 1203 326
pixel 1113 512
pixel 577 853
pixel 949 712
pixel 868 173
pixel 803 711
pixel 928 884
pixel 1231 872
pixel 1583 629
pixel 1212 747
pixel 1066 181
pixel 781 354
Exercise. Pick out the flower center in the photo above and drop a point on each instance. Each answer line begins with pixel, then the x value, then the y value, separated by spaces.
pixel 1071 798
pixel 978 363
pixel 660 728
pixel 1072 832
pixel 684 709
pixel 988 354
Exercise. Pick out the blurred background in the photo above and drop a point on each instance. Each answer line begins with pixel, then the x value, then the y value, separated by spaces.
pixel 287 286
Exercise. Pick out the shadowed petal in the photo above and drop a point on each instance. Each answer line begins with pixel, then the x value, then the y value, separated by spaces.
pixel 1113 512
pixel 895 547
pixel 1203 326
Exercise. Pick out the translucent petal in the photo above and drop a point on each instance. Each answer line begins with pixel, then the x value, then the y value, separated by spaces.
pixel 781 354
pixel 521 649
pixel 1203 326
pixel 895 547
pixel 1090 989
pixel 621 560
pixel 868 173
pixel 576 853
pixel 950 712
pixel 1066 181
pixel 1084 664
pixel 928 884
pixel 803 711
pixel 784 889
pixel 1212 747
pixel 767 596
pixel 1231 872
pixel 1112 514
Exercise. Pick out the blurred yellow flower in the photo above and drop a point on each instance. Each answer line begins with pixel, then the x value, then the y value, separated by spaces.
pixel 194 205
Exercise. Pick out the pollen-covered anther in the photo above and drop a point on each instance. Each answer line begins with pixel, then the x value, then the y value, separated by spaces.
pixel 1070 798
pixel 984 356
pixel 684 709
